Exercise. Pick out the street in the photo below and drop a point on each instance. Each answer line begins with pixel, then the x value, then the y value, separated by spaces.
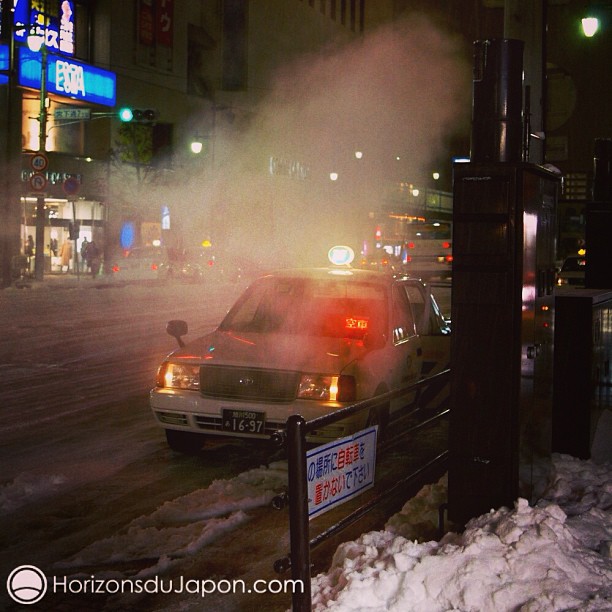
pixel 88 483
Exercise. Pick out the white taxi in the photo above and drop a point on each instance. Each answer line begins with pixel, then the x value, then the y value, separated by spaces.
pixel 304 341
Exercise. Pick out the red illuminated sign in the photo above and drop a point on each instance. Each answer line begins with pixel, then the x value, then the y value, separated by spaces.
pixel 356 323
pixel 164 22
pixel 146 23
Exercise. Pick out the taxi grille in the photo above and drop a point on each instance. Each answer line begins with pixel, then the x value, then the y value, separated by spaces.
pixel 252 384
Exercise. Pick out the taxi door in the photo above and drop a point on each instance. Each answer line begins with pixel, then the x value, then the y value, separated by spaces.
pixel 406 343
pixel 434 333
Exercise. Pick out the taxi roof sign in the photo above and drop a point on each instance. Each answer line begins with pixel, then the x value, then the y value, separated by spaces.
pixel 341 255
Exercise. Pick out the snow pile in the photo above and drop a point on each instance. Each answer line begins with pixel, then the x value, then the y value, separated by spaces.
pixel 182 527
pixel 533 558
pixel 27 488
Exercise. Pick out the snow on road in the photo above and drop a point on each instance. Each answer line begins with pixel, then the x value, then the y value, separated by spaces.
pixel 89 489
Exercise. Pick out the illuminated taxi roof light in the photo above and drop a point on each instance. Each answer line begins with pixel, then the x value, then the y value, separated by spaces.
pixel 341 255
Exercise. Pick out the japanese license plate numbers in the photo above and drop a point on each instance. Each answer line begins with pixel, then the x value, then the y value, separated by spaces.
pixel 243 421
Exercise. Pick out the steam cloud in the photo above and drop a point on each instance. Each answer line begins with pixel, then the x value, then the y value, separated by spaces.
pixel 402 90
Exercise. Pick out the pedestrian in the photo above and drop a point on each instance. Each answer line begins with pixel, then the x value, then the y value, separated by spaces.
pixel 66 255
pixel 84 256
pixel 93 258
pixel 29 246
pixel 28 251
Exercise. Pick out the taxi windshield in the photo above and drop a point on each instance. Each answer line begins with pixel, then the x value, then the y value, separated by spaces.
pixel 326 307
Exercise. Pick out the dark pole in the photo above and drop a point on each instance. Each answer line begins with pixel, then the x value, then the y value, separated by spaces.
pixel 10 157
pixel 39 257
pixel 298 512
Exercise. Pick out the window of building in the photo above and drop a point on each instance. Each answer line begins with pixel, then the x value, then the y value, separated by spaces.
pixel 235 48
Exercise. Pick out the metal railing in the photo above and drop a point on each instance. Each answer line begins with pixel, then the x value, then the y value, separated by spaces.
pixel 298 429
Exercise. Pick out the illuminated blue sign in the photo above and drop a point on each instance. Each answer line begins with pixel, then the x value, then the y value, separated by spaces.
pixel 57 28
pixel 67 77
pixel 127 235
pixel 4 63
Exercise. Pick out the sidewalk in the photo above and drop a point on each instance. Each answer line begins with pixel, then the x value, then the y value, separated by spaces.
pixel 70 280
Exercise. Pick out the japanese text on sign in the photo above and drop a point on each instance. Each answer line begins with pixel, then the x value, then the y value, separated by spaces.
pixel 340 470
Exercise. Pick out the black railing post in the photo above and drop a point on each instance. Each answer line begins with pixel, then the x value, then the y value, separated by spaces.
pixel 298 512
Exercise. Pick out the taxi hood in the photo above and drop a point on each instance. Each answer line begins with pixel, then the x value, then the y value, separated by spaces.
pixel 272 351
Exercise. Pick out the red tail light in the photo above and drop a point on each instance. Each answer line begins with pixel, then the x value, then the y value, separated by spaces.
pixel 446 245
pixel 154 266
pixel 449 258
pixel 411 245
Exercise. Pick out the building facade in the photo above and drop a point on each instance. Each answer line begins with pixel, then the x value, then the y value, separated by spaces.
pixel 188 66
pixel 203 74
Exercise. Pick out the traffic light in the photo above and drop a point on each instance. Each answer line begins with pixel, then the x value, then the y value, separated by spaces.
pixel 137 115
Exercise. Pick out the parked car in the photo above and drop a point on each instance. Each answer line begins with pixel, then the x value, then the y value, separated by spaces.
pixel 308 342
pixel 204 264
pixel 143 263
pixel 572 271
pixel 194 263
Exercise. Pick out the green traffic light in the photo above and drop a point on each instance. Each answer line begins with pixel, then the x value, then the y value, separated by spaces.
pixel 126 114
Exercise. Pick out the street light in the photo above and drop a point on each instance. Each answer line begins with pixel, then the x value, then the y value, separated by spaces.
pixel 196 146
pixel 590 26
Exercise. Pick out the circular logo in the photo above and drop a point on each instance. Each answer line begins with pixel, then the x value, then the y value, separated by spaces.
pixel 26 584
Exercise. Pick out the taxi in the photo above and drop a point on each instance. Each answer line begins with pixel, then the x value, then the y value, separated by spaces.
pixel 298 341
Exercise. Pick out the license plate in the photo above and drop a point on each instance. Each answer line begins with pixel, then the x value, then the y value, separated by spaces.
pixel 244 421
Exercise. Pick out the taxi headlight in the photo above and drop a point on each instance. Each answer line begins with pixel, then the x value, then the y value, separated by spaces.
pixel 178 376
pixel 327 388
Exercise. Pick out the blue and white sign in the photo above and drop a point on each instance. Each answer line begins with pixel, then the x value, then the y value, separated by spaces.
pixel 68 77
pixel 55 27
pixel 340 470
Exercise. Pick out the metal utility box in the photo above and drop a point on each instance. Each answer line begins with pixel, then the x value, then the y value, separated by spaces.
pixel 504 239
pixel 598 273
pixel 582 376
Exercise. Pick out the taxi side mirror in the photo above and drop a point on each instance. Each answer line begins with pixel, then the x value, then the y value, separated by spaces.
pixel 177 328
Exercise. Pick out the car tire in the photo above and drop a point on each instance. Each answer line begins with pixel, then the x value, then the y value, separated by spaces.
pixel 379 416
pixel 185 442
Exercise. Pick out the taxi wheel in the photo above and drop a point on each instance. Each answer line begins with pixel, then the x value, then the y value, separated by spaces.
pixel 185 442
pixel 379 416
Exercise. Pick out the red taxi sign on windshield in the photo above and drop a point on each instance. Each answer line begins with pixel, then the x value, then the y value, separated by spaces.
pixel 356 323
pixel 341 255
